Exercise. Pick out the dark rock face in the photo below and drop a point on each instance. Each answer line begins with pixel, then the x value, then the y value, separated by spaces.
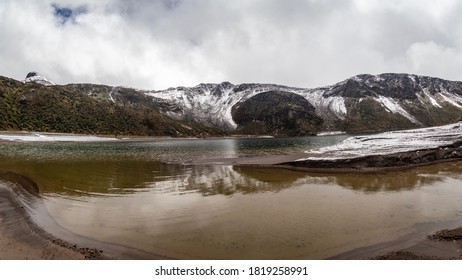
pixel 399 86
pixel 32 74
pixel 276 113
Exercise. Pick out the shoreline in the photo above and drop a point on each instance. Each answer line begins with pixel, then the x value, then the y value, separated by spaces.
pixel 426 242
pixel 22 239
pixel 381 163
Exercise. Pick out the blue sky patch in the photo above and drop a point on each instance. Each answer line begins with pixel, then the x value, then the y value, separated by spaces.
pixel 67 14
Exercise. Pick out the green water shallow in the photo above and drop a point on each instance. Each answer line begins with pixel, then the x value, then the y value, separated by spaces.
pixel 143 195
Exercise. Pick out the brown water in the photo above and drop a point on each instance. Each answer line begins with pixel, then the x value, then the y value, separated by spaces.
pixel 126 193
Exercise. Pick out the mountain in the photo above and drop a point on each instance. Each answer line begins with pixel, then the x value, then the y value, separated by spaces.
pixel 363 103
pixel 36 104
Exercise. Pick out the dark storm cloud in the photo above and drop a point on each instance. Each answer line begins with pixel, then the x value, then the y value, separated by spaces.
pixel 157 44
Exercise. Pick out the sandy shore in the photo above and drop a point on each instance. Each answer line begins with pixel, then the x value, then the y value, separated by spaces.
pixel 20 240
pixel 424 244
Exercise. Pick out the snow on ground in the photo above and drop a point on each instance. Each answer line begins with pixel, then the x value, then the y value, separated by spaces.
pixel 451 98
pixel 389 142
pixel 327 133
pixel 429 97
pixel 393 106
pixel 334 104
pixel 38 137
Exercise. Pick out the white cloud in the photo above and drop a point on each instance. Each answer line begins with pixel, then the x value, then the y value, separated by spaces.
pixel 430 57
pixel 163 43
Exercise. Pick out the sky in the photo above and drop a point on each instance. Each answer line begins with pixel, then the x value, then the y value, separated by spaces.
pixel 156 44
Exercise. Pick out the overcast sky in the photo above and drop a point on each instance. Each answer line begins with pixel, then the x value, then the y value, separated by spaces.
pixel 158 44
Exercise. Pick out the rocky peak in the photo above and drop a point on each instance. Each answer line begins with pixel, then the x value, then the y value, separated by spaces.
pixel 399 86
pixel 35 77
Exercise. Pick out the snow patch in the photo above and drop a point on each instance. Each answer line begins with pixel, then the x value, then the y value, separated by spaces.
pixel 432 100
pixel 391 105
pixel 49 137
pixel 334 104
pixel 110 95
pixel 452 98
pixel 326 133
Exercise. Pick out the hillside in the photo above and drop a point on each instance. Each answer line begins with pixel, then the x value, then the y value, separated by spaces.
pixel 86 109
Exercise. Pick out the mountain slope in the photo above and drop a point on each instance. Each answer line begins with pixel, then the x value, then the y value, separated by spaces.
pixel 361 103
pixel 87 109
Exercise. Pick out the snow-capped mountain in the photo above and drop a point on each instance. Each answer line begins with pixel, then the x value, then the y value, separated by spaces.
pixel 363 103
pixel 210 104
pixel 360 103
pixel 35 77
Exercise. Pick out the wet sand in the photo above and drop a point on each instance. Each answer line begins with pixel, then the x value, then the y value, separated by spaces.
pixel 22 239
pixel 414 246
pixel 19 240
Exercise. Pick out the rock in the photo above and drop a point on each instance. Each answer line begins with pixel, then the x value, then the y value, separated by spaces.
pixel 35 77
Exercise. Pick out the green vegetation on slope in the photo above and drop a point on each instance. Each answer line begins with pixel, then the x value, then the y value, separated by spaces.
pixel 87 109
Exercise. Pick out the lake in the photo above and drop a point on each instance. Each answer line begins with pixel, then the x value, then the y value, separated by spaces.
pixel 145 197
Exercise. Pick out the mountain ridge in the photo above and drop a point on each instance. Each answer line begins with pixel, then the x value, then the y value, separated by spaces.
pixel 87 109
pixel 362 103
pixel 405 100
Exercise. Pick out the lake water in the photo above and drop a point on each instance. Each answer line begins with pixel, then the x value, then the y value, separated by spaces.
pixel 143 195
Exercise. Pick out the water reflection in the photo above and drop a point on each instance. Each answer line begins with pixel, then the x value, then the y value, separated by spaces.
pixel 395 181
pixel 90 178
pixel 129 194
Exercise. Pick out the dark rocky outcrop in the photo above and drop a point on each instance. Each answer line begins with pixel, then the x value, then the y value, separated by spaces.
pixel 276 113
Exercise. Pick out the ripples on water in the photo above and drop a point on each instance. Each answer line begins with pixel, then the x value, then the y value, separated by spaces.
pixel 140 195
